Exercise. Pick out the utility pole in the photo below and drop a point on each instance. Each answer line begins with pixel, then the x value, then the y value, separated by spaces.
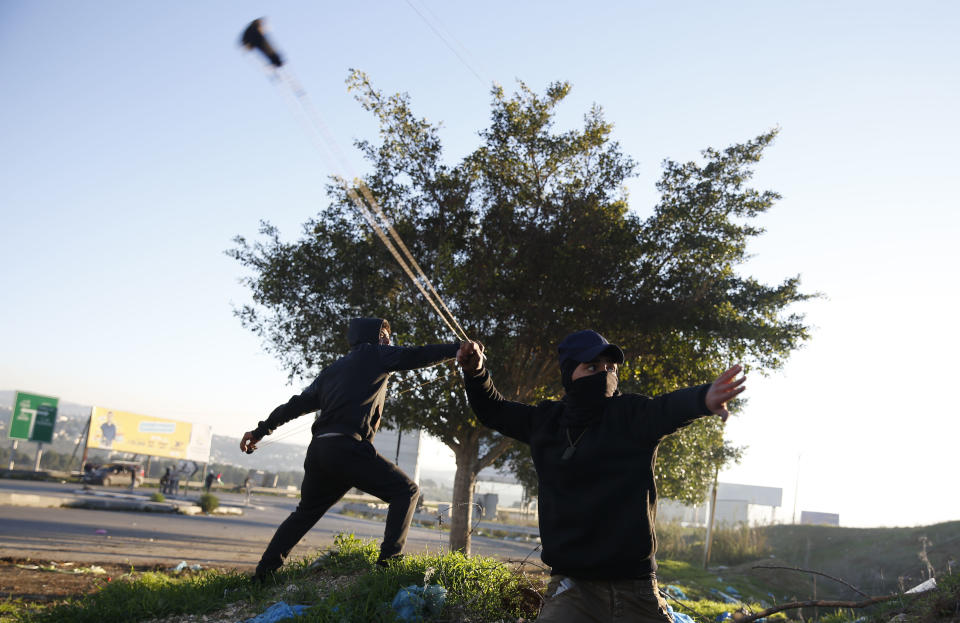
pixel 83 438
pixel 713 513
pixel 796 487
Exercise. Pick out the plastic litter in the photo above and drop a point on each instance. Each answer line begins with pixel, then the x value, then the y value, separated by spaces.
pixel 183 566
pixel 725 597
pixel 923 587
pixel 724 616
pixel 54 568
pixel 279 611
pixel 99 531
pixel 679 617
pixel 412 602
pixel 675 591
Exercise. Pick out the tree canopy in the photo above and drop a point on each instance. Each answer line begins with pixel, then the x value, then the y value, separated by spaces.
pixel 528 238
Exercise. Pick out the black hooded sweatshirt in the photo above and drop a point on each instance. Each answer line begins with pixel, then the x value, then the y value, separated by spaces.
pixel 598 506
pixel 350 392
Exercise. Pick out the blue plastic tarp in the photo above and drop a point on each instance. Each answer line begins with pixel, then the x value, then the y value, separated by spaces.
pixel 675 591
pixel 679 617
pixel 279 611
pixel 412 602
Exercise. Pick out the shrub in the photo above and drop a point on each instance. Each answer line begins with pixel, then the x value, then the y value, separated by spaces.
pixel 209 502
pixel 156 496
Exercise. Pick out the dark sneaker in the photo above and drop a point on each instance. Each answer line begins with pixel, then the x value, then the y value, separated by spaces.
pixel 261 576
pixel 385 562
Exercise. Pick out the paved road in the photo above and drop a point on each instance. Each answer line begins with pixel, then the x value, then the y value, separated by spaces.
pixel 67 534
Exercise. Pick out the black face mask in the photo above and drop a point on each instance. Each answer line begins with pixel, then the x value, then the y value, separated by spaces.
pixel 587 394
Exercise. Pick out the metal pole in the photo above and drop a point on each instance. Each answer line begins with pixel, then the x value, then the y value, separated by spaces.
pixel 86 441
pixel 36 464
pixel 83 437
pixel 796 487
pixel 713 513
pixel 399 435
pixel 13 453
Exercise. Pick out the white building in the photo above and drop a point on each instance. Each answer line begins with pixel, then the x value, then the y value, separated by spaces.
pixel 815 518
pixel 736 503
pixel 406 455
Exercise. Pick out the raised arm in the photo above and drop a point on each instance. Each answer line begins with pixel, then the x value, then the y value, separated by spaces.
pixel 305 402
pixel 513 419
pixel 655 418
pixel 396 358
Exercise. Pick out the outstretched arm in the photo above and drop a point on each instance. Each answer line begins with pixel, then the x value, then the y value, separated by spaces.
pixel 306 402
pixel 397 358
pixel 658 417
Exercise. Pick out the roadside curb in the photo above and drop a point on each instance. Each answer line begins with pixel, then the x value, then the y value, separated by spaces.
pixel 110 503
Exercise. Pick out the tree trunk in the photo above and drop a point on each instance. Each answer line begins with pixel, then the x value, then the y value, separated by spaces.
pixel 461 509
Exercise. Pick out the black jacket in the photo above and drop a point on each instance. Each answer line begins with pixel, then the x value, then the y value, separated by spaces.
pixel 597 508
pixel 350 392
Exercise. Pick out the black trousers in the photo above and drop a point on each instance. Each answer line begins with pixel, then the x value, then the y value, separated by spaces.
pixel 333 466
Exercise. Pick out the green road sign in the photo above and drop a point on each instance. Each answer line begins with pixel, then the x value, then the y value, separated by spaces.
pixel 34 417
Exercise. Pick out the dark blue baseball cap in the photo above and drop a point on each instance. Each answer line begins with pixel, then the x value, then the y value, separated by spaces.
pixel 585 346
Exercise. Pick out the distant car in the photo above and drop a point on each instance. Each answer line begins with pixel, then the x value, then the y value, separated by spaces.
pixel 116 473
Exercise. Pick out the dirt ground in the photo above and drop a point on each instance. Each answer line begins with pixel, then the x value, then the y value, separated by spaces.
pixel 46 581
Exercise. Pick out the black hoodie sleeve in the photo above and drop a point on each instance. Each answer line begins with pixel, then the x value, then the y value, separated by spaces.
pixel 655 418
pixel 302 403
pixel 396 358
pixel 513 419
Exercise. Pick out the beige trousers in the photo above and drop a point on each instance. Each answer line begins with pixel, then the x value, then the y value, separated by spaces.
pixel 619 601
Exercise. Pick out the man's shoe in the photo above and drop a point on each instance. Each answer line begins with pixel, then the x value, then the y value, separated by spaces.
pixel 385 562
pixel 262 577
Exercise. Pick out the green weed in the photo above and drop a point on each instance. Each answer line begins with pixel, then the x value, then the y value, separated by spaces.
pixel 149 595
pixel 732 544
pixel 481 589
pixel 209 502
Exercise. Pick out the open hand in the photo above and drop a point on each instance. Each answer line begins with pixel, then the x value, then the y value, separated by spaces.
pixel 471 358
pixel 723 390
pixel 249 442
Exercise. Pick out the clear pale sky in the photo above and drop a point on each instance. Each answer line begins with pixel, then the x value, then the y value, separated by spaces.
pixel 138 139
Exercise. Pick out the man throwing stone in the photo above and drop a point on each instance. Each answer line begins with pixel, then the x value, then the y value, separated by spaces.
pixel 349 393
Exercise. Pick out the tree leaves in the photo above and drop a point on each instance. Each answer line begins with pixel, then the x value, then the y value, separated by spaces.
pixel 529 238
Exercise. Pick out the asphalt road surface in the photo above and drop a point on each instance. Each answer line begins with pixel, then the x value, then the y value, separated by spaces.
pixel 77 535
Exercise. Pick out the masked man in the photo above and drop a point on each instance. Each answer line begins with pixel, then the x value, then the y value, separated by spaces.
pixel 349 393
pixel 594 453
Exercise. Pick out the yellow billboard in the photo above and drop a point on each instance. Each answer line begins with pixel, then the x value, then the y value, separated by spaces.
pixel 140 434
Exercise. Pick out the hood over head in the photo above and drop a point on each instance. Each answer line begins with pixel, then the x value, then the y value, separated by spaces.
pixel 364 331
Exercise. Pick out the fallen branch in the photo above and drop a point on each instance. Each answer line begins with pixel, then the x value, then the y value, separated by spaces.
pixel 847 584
pixel 821 604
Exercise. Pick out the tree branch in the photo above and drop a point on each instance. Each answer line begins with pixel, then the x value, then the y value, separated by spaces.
pixel 821 604
pixel 494 453
pixel 847 584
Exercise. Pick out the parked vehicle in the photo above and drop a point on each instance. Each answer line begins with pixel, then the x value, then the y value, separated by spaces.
pixel 115 473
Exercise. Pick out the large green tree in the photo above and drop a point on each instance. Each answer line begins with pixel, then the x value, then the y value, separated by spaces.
pixel 528 238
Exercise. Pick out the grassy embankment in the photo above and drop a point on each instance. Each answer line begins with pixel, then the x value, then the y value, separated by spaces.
pixel 344 585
